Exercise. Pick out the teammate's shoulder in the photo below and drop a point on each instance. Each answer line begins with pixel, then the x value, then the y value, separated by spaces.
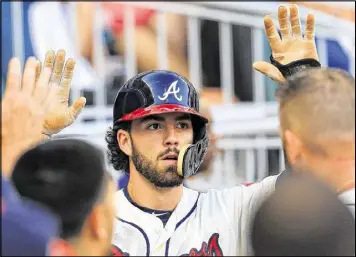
pixel 348 197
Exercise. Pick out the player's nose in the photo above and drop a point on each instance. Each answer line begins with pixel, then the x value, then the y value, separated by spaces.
pixel 171 138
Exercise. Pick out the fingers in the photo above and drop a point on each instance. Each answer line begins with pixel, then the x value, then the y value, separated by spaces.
pixel 42 78
pixel 269 70
pixel 49 59
pixel 58 66
pixel 38 70
pixel 41 89
pixel 67 77
pixel 13 76
pixel 310 27
pixel 271 33
pixel 29 76
pixel 50 96
pixel 283 22
pixel 77 107
pixel 295 21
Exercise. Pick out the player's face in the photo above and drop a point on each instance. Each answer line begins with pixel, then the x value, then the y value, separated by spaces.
pixel 109 212
pixel 156 141
pixel 332 161
pixel 98 228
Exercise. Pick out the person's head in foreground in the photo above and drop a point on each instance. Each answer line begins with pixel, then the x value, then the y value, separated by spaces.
pixel 317 124
pixel 155 114
pixel 303 217
pixel 69 177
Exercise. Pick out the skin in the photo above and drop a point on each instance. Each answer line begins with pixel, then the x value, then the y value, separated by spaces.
pixel 323 158
pixel 25 104
pixel 152 138
pixel 95 237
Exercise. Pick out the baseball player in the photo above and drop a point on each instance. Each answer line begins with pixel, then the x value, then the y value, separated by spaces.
pixel 323 101
pixel 156 120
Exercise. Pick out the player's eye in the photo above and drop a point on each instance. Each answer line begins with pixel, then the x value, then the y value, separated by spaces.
pixel 154 126
pixel 183 125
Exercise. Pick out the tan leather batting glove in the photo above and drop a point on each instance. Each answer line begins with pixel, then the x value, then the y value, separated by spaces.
pixel 293 46
pixel 60 115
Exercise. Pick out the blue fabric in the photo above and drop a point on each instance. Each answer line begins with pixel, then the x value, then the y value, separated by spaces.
pixel 7 51
pixel 27 228
pixel 337 58
pixel 6 37
pixel 123 181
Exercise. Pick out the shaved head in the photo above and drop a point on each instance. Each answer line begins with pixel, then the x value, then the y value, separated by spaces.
pixel 317 122
pixel 318 105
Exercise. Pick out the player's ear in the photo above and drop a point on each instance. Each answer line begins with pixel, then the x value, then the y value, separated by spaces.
pixel 293 146
pixel 96 222
pixel 123 139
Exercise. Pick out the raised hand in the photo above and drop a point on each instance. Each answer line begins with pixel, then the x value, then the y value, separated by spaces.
pixel 293 46
pixel 60 115
pixel 24 107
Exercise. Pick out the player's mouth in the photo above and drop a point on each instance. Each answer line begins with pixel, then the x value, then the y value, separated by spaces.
pixel 170 158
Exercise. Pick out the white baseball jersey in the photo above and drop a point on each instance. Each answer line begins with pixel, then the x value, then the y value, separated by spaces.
pixel 215 223
pixel 348 198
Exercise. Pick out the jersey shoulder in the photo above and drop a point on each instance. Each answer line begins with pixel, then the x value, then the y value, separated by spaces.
pixel 348 198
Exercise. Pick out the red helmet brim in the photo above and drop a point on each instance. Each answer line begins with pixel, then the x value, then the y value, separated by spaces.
pixel 159 109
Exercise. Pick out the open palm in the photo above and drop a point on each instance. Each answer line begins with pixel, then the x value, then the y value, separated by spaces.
pixel 293 46
pixel 60 114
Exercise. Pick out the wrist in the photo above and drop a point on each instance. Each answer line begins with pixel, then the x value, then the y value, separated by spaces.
pixel 11 151
pixel 9 155
pixel 292 68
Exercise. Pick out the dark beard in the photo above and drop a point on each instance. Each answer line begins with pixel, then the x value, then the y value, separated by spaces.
pixel 166 179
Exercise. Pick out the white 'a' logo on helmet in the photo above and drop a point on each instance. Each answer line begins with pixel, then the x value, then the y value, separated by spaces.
pixel 173 89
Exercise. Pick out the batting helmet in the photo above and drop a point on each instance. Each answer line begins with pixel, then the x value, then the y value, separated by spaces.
pixel 161 91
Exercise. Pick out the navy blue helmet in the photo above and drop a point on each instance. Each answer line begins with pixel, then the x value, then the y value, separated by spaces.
pixel 156 92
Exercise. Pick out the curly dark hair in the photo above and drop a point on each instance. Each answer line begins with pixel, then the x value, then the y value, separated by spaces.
pixel 116 157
